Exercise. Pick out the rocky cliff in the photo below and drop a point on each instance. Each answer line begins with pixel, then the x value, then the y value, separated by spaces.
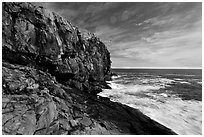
pixel 33 36
pixel 51 73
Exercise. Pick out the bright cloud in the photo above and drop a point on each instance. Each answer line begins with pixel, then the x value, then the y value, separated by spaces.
pixel 142 34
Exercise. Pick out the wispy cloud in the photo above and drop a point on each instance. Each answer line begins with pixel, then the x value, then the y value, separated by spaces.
pixel 142 34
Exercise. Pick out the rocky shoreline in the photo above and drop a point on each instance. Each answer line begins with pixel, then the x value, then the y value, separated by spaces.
pixel 51 73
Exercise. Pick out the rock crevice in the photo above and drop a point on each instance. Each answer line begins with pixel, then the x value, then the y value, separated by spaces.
pixel 37 37
pixel 51 73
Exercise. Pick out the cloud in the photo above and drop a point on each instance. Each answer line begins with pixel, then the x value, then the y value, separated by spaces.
pixel 142 34
pixel 169 48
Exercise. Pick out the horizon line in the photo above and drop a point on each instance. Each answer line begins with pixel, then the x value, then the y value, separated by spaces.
pixel 156 67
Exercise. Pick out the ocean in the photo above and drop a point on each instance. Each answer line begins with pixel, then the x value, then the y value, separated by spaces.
pixel 173 97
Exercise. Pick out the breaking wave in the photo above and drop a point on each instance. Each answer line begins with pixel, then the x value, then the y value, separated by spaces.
pixel 145 94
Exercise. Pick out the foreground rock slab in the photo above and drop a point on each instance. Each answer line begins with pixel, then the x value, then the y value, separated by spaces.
pixel 51 73
pixel 52 108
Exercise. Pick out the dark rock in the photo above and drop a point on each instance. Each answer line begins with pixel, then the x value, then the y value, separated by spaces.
pixel 52 108
pixel 47 63
pixel 39 38
pixel 65 124
pixel 85 121
pixel 114 74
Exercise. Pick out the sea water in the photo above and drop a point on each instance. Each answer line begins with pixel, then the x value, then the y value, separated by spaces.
pixel 172 97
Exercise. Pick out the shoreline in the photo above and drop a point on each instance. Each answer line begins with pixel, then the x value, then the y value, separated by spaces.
pixel 51 73
pixel 87 114
pixel 161 106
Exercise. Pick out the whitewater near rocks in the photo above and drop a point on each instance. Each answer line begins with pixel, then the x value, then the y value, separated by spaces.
pixel 160 97
pixel 51 73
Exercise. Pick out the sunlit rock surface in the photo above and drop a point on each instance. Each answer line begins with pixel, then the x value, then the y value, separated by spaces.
pixel 51 73
pixel 33 36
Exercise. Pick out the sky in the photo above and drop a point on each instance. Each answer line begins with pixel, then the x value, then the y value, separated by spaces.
pixel 141 34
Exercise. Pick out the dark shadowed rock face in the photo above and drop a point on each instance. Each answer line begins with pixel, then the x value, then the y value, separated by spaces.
pixel 33 102
pixel 47 63
pixel 34 36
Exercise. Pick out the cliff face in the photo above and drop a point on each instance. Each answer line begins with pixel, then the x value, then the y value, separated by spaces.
pixel 51 73
pixel 34 36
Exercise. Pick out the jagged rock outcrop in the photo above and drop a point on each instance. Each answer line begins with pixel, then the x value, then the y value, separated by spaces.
pixel 33 102
pixel 51 74
pixel 34 36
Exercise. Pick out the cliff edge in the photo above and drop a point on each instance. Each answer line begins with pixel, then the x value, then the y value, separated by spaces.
pixel 51 73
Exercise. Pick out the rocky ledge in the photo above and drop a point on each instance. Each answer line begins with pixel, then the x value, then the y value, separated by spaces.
pixel 51 73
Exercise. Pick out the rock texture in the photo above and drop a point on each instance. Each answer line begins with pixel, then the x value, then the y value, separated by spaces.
pixel 34 36
pixel 51 73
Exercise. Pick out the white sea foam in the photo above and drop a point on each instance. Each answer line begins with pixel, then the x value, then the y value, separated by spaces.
pixel 120 88
pixel 161 82
pixel 114 77
pixel 164 95
pixel 184 82
pixel 199 83
pixel 184 117
pixel 178 79
pixel 181 81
